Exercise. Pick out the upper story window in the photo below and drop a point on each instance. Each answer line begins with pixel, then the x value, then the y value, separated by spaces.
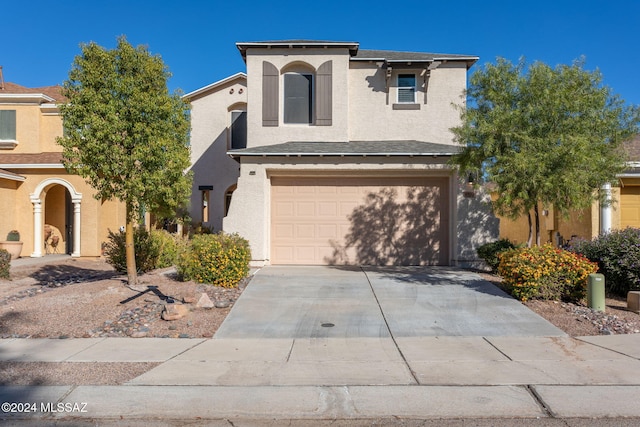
pixel 298 98
pixel 406 88
pixel 306 95
pixel 8 125
pixel 238 130
pixel 7 129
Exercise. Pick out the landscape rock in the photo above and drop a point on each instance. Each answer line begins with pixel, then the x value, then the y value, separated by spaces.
pixel 222 304
pixel 174 311
pixel 204 301
pixel 189 299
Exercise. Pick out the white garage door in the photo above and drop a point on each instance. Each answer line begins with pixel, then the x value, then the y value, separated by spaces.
pixel 363 221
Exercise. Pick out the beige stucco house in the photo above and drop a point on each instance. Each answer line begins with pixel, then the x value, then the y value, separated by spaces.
pixel 343 156
pixel 38 197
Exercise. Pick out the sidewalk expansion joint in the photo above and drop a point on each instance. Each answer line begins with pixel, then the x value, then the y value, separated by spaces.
pixel 540 401
pixel 499 351
pixel 84 349
pixel 606 348
pixel 185 350
pixel 404 359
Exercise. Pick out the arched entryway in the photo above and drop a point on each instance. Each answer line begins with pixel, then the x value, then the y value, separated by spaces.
pixel 56 204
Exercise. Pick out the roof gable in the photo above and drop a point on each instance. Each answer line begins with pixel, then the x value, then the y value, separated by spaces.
pixel 45 93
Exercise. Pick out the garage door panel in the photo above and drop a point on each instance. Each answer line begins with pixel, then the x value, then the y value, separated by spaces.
pixel 327 208
pixel 284 209
pixel 384 221
pixel 284 231
pixel 305 231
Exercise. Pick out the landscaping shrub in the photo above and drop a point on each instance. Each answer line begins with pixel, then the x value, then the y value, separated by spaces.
pixel 490 252
pixel 5 264
pixel 147 250
pixel 169 247
pixel 545 272
pixel 219 259
pixel 618 256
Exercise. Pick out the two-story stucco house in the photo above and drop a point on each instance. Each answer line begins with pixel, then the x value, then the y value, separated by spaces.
pixel 337 155
pixel 55 212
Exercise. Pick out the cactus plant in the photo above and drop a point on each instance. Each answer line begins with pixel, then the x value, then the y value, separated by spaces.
pixel 13 236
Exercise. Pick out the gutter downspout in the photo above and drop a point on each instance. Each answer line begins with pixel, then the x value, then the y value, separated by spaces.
pixel 605 209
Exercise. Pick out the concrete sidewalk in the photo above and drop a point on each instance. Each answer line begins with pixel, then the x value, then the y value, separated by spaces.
pixel 370 368
pixel 357 379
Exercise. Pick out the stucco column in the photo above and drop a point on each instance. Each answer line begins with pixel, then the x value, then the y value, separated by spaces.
pixel 37 227
pixel 76 228
pixel 605 209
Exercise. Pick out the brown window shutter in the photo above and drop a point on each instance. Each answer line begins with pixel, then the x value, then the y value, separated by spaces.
pixel 270 77
pixel 323 94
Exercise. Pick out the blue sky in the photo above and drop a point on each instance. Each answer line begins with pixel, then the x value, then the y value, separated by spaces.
pixel 196 39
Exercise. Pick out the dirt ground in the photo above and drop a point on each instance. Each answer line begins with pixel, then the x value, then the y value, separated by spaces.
pixel 576 319
pixel 81 298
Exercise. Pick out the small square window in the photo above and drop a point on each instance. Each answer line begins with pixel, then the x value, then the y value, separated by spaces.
pixel 406 88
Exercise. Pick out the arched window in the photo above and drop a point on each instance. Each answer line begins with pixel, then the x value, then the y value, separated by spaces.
pixel 306 94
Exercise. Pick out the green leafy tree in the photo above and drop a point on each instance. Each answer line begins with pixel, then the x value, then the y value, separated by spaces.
pixel 544 136
pixel 125 133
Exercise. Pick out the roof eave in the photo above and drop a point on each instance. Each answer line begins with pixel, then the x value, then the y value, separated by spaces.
pixel 235 154
pixel 12 176
pixel 243 46
pixel 25 97
pixel 31 166
pixel 215 85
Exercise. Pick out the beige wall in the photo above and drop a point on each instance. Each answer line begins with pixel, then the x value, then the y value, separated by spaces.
pixel 310 58
pixel 37 127
pixel 210 121
pixel 581 224
pixel 372 117
pixel 360 108
pixel 96 217
pixel 10 208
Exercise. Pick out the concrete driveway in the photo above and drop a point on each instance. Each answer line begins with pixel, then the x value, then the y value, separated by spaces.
pixel 352 302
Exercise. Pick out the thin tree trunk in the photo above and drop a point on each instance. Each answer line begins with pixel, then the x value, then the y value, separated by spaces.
pixel 530 239
pixel 536 212
pixel 132 274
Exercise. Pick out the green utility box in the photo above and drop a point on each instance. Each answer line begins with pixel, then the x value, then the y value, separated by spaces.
pixel 595 291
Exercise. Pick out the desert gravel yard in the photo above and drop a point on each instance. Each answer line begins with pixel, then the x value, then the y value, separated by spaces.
pixel 78 298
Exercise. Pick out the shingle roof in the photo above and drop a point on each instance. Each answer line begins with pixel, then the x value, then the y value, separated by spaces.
pixel 390 55
pixel 48 158
pixel 358 54
pixel 351 148
pixel 54 92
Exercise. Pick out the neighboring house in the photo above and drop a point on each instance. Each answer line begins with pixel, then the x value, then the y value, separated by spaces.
pixel 39 198
pixel 346 159
pixel 623 212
